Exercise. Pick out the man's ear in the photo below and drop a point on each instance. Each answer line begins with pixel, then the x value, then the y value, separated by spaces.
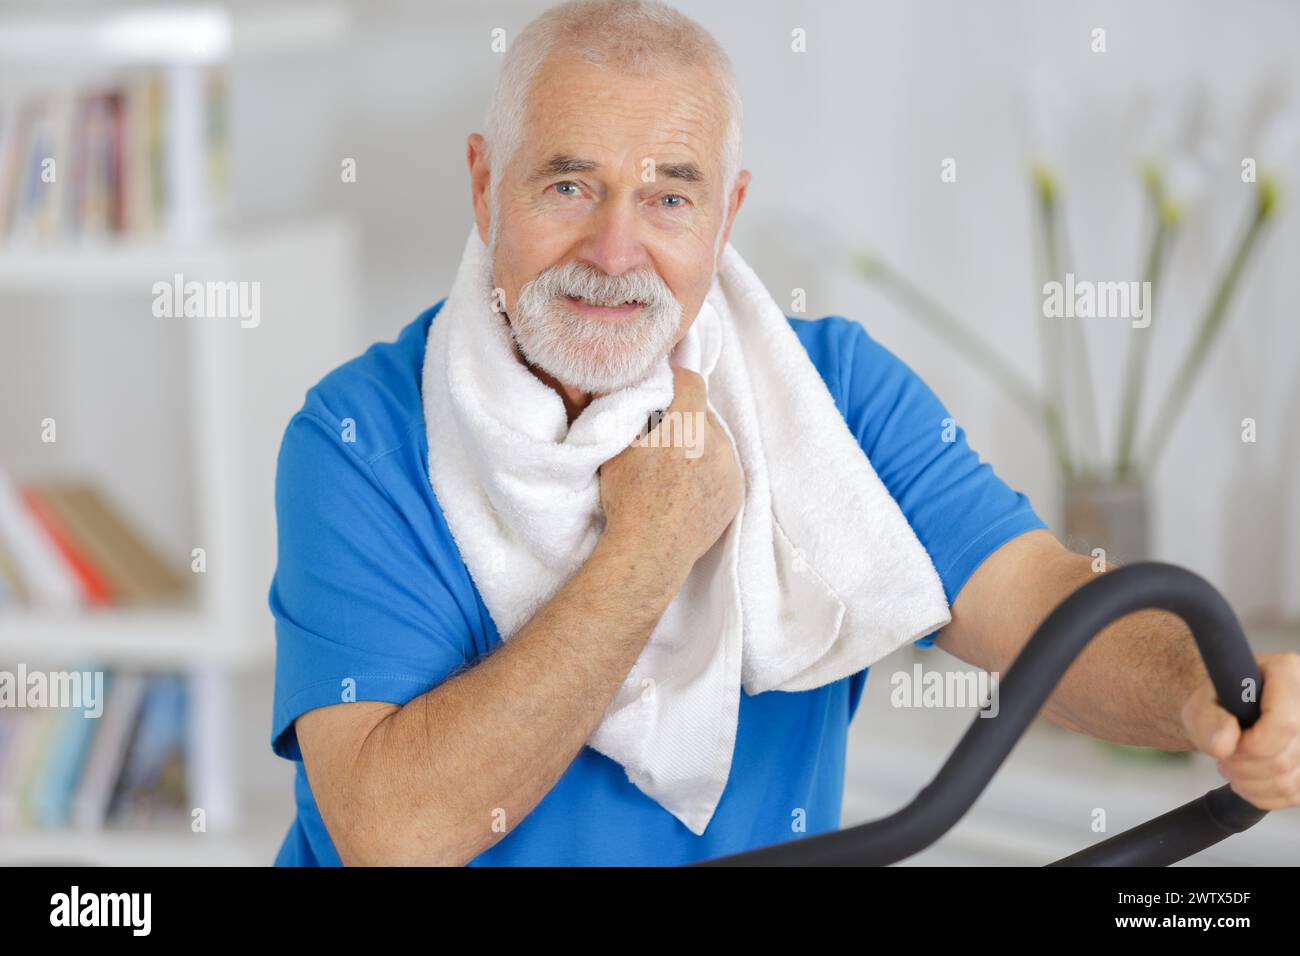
pixel 733 206
pixel 480 181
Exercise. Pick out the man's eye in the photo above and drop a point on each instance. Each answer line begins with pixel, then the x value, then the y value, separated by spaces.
pixel 560 187
pixel 681 201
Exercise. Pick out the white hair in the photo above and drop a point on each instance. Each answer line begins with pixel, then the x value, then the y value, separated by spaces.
pixel 639 37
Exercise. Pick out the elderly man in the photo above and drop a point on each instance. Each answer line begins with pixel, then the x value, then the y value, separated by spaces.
pixel 453 697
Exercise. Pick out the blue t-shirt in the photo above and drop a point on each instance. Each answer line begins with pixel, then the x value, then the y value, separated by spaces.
pixel 371 595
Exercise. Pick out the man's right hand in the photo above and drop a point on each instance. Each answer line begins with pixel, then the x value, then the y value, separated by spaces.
pixel 675 501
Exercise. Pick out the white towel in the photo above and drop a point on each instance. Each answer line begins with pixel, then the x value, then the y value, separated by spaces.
pixel 818 576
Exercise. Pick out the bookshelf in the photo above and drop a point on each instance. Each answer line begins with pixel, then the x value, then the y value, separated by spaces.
pixel 127 848
pixel 153 639
pixel 178 419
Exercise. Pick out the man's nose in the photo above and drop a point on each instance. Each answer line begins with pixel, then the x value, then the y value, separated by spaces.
pixel 614 244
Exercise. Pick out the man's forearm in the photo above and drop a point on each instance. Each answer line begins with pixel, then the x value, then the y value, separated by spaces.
pixel 450 773
pixel 1130 685
pixel 1131 681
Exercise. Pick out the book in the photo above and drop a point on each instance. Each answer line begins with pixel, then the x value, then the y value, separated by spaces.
pixel 27 191
pixel 70 746
pixel 31 773
pixel 10 584
pixel 11 579
pixel 11 728
pixel 95 587
pixel 46 578
pixel 152 787
pixel 28 733
pixel 107 757
pixel 136 574
pixel 97 202
pixel 142 155
pixel 11 140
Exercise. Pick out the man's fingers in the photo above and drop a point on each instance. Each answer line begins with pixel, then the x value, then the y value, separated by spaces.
pixel 1275 792
pixel 1261 768
pixel 1270 736
pixel 1279 707
pixel 1212 729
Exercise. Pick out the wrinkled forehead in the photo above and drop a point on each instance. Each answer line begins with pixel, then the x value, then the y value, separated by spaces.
pixel 670 122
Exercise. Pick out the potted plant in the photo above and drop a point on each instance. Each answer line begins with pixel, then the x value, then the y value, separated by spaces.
pixel 1105 496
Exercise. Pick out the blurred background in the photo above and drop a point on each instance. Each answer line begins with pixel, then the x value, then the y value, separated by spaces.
pixel 922 168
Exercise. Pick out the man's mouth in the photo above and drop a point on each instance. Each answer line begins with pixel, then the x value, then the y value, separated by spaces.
pixel 608 312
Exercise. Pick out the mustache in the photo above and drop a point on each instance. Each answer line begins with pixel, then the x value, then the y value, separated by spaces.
pixel 582 281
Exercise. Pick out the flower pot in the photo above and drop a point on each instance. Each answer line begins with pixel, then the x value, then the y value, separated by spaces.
pixel 1109 515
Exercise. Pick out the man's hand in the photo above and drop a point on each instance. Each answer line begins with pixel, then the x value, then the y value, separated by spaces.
pixel 1263 763
pixel 667 501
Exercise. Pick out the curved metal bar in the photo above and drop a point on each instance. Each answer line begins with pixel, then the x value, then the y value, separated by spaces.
pixel 1049 653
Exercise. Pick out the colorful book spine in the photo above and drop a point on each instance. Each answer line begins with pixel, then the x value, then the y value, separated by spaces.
pixel 94 584
pixel 45 575
pixel 70 749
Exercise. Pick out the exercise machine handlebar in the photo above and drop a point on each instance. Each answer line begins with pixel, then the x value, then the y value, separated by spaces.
pixel 1059 640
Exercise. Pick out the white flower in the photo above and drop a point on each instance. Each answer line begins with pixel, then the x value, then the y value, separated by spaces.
pixel 1179 157
pixel 1051 115
pixel 1272 137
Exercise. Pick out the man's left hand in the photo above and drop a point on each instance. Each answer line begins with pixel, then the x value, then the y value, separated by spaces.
pixel 1263 763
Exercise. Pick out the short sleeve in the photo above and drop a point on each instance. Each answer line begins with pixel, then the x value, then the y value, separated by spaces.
pixel 958 506
pixel 361 612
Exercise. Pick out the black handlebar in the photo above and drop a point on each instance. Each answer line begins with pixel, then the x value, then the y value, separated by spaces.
pixel 1030 681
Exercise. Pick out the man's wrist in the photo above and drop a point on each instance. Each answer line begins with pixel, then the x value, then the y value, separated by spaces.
pixel 651 570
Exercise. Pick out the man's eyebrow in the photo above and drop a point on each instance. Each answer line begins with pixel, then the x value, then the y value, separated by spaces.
pixel 560 165
pixel 685 171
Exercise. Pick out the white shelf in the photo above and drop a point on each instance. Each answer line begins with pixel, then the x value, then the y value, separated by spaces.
pixel 161 639
pixel 170 33
pixel 135 848
pixel 135 264
pixel 70 269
